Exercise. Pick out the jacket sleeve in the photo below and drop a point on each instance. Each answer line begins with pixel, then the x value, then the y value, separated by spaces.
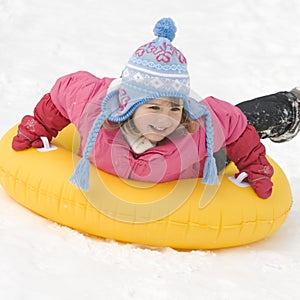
pixel 72 93
pixel 47 121
pixel 49 116
pixel 249 155
pixel 65 103
pixel 228 121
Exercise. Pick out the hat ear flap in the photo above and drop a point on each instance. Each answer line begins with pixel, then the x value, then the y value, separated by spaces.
pixel 110 103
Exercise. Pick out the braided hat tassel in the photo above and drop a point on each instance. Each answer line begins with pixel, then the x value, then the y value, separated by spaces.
pixel 210 172
pixel 81 176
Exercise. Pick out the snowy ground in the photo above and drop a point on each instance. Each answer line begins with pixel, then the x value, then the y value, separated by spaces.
pixel 236 50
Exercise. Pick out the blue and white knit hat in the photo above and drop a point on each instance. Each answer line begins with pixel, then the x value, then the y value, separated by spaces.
pixel 155 70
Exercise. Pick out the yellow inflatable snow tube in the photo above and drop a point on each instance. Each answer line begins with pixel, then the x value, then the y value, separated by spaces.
pixel 181 214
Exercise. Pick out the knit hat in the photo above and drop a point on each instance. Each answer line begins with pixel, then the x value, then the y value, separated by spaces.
pixel 155 70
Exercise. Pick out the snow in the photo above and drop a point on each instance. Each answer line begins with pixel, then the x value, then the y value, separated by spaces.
pixel 237 50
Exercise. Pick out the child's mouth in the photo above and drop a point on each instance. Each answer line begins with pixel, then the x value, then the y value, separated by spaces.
pixel 157 129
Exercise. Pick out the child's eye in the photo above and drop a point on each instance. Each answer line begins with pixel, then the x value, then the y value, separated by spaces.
pixel 175 108
pixel 154 107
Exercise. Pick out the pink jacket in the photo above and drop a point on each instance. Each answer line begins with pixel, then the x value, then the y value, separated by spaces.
pixel 78 97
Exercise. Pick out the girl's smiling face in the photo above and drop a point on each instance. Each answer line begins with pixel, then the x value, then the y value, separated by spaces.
pixel 158 118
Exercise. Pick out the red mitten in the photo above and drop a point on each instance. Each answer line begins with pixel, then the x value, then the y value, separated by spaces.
pixel 29 133
pixel 259 177
pixel 20 142
pixel 47 122
pixel 249 155
pixel 262 187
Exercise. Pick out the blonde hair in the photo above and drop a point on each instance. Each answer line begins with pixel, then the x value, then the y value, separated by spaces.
pixel 190 125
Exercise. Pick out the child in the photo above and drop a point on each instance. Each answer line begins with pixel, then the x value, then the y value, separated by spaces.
pixel 146 126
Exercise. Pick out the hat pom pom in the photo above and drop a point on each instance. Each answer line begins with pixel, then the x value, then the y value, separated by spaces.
pixel 165 28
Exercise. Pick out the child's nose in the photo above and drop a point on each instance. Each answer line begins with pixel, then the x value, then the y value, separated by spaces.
pixel 164 120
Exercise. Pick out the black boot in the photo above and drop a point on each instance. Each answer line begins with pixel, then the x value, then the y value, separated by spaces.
pixel 273 115
pixel 292 131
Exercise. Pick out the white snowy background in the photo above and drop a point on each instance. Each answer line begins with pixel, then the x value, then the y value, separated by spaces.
pixel 237 50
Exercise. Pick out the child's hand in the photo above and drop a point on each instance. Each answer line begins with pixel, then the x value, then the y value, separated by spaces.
pixel 29 133
pixel 249 155
pixel 47 121
pixel 259 177
pixel 262 186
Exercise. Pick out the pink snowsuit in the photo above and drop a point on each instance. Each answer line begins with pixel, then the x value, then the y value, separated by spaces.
pixel 77 98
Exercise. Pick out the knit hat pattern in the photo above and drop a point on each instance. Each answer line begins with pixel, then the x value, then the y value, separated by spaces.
pixel 155 70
